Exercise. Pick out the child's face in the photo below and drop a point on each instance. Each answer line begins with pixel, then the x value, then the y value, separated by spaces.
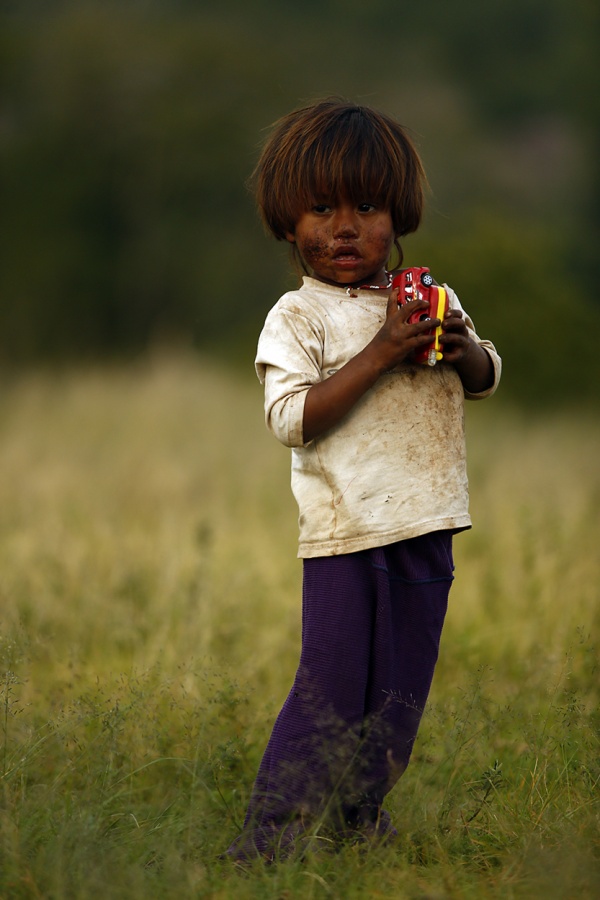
pixel 345 243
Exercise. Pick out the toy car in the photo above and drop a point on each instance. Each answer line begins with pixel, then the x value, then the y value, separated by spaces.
pixel 416 283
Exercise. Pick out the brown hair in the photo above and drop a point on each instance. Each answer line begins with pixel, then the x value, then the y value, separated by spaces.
pixel 335 148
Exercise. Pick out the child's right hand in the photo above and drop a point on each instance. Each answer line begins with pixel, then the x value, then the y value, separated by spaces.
pixel 398 339
pixel 328 401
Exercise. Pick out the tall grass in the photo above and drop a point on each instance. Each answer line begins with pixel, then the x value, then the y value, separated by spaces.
pixel 150 630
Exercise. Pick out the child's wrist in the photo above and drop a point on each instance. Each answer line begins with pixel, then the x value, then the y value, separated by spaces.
pixel 373 362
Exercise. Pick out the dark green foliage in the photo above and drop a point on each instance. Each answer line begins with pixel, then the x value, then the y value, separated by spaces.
pixel 128 131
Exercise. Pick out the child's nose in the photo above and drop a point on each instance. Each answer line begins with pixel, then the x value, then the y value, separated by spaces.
pixel 345 224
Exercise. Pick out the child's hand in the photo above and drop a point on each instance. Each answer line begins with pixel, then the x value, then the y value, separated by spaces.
pixel 398 339
pixel 471 361
pixel 455 340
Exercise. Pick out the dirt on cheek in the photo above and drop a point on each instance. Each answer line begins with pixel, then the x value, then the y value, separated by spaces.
pixel 380 241
pixel 313 250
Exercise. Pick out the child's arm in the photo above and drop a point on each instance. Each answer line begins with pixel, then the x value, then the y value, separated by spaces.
pixel 327 402
pixel 472 362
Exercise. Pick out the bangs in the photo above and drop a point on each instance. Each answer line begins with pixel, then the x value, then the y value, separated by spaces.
pixel 351 162
pixel 348 159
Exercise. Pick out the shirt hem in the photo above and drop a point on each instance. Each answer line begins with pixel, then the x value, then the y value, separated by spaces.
pixel 312 549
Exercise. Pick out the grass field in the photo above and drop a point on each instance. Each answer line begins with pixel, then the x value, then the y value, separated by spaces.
pixel 150 630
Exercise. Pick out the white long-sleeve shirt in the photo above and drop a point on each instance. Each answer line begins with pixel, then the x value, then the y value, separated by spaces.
pixel 395 466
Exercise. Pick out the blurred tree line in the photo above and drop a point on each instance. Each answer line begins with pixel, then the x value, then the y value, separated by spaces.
pixel 128 130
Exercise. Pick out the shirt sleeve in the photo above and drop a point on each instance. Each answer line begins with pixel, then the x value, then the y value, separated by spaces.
pixel 288 363
pixel 487 346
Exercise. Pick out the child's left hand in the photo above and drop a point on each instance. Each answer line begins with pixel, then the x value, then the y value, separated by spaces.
pixel 455 340
pixel 471 361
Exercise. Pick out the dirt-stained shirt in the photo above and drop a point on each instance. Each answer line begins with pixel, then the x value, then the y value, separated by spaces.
pixel 395 466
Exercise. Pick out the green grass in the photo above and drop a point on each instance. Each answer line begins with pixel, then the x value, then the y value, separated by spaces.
pixel 150 602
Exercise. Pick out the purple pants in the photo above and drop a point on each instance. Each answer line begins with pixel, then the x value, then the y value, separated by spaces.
pixel 371 627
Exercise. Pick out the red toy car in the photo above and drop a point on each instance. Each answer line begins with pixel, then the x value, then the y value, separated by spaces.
pixel 417 283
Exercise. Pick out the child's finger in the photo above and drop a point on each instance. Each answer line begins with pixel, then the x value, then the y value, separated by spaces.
pixel 405 310
pixel 455 314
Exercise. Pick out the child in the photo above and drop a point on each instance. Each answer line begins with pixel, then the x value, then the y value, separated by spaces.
pixel 378 471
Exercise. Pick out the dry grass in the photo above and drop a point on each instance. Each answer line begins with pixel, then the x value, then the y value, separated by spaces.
pixel 150 630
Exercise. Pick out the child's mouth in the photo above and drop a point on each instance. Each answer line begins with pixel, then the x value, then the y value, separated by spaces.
pixel 346 256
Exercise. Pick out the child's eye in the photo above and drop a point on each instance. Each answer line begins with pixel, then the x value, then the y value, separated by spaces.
pixel 321 208
pixel 366 207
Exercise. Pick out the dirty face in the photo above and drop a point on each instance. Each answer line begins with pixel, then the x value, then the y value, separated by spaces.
pixel 345 243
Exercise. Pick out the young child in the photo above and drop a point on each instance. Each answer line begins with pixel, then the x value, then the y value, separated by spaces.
pixel 378 471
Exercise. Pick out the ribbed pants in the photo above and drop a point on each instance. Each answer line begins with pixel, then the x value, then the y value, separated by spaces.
pixel 371 627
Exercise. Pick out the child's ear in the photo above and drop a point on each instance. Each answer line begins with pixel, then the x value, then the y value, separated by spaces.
pixel 290 236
